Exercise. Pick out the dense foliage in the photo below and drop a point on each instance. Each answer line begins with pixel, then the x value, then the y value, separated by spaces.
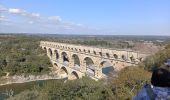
pixel 22 55
pixel 130 81
pixel 157 60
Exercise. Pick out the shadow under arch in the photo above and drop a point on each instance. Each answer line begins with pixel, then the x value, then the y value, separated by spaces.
pixel 74 75
pixel 50 52
pixel 63 70
pixel 76 61
pixel 90 67
pixel 106 66
pixel 65 59
pixel 56 54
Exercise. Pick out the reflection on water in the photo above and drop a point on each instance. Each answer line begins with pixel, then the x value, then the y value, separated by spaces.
pixel 107 70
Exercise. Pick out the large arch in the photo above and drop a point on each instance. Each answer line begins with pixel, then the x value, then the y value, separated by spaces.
pixel 90 67
pixel 76 61
pixel 50 52
pixel 55 68
pixel 56 55
pixel 63 72
pixel 65 58
pixel 106 67
pixel 74 76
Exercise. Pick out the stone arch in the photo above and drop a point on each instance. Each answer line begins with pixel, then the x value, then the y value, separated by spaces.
pixel 140 59
pixel 76 61
pixel 94 52
pixel 44 48
pixel 100 53
pixel 55 67
pixel 56 54
pixel 65 58
pixel 84 50
pixel 50 52
pixel 123 57
pixel 90 67
pixel 88 51
pixel 107 55
pixel 63 72
pixel 106 67
pixel 74 75
pixel 115 56
pixel 132 59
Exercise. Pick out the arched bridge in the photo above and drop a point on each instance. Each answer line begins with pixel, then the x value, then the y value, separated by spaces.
pixel 75 61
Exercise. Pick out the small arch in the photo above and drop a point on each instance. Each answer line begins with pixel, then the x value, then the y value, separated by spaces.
pixel 63 72
pixel 140 59
pixel 94 52
pixel 50 52
pixel 74 75
pixel 55 67
pixel 124 57
pixel 44 48
pixel 80 50
pixel 56 54
pixel 55 64
pixel 84 50
pixel 132 58
pixel 115 56
pixel 88 51
pixel 107 55
pixel 100 53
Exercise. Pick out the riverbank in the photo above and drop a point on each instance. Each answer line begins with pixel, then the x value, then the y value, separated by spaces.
pixel 28 78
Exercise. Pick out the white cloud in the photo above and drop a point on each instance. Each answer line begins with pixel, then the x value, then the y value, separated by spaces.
pixel 3 8
pixel 55 18
pixel 34 15
pixel 16 11
pixel 3 18
pixel 21 12
pixel 30 22
pixel 35 22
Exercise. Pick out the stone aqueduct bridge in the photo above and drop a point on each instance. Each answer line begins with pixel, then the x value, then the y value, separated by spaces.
pixel 75 61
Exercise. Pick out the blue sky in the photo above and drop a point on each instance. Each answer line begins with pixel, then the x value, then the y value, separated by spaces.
pixel 103 17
